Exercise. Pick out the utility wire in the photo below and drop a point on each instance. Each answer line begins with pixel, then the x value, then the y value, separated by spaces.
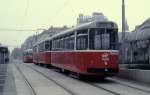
pixel 25 13
pixel 4 29
pixel 60 9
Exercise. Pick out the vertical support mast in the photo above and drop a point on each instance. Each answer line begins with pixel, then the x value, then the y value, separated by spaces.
pixel 75 40
pixel 88 38
pixel 123 31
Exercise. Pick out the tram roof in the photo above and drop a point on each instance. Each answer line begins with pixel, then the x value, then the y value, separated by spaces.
pixel 85 26
pixel 78 27
pixel 28 50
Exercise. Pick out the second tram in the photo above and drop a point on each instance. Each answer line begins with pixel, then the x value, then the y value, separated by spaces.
pixel 28 56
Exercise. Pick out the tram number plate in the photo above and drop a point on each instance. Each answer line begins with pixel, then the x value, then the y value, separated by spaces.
pixel 105 57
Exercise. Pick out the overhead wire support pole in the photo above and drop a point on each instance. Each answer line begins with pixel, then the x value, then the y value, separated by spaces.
pixel 123 31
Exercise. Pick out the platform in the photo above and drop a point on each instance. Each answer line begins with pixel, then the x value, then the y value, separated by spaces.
pixel 7 84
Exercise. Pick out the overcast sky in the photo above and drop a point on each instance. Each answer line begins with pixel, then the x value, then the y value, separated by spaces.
pixel 33 14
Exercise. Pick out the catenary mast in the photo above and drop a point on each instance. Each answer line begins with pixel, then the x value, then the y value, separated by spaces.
pixel 123 31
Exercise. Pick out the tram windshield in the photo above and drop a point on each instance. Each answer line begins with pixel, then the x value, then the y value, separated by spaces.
pixel 103 39
pixel 28 53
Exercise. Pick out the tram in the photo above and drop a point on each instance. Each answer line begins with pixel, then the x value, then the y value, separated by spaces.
pixel 4 54
pixel 87 49
pixel 28 56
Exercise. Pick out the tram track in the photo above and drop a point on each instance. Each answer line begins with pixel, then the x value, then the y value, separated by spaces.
pixel 110 91
pixel 57 83
pixel 100 87
pixel 133 87
pixel 119 83
pixel 96 86
pixel 116 82
pixel 33 92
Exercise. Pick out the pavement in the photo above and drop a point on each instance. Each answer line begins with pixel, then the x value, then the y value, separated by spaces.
pixel 7 84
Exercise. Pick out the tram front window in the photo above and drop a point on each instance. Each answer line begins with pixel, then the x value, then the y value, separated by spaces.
pixel 103 39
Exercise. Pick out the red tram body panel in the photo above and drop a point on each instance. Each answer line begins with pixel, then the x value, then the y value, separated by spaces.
pixel 28 59
pixel 87 62
pixel 35 57
pixel 44 58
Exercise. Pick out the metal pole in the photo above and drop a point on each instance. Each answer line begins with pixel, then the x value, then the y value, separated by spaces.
pixel 88 39
pixel 75 40
pixel 123 31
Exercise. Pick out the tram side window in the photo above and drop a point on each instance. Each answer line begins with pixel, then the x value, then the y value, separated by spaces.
pixel 113 39
pixel 53 44
pixel 35 49
pixel 56 45
pixel 61 44
pixel 82 42
pixel 41 47
pixel 64 43
pixel 70 43
pixel 50 44
pixel 47 46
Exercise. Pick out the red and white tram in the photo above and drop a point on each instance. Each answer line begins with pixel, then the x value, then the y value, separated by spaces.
pixel 28 56
pixel 42 52
pixel 87 49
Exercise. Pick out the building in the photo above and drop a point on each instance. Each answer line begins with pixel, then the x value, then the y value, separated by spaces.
pixel 137 44
pixel 16 53
pixel 95 17
pixel 30 41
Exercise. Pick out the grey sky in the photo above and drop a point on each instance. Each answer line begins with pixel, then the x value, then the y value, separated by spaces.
pixel 44 13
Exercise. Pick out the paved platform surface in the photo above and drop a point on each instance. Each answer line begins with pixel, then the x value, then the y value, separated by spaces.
pixel 7 83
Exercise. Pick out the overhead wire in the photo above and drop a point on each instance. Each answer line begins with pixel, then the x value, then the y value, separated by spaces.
pixel 60 9
pixel 25 13
pixel 7 29
pixel 56 14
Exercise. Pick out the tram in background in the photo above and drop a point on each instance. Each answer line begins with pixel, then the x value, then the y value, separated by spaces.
pixel 28 56
pixel 4 54
pixel 42 53
pixel 87 49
